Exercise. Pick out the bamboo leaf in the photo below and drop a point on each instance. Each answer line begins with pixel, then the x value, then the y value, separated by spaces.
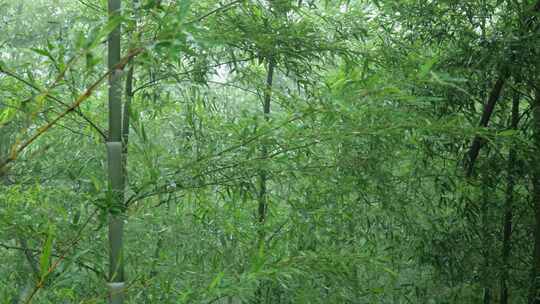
pixel 143 133
pixel 507 133
pixel 111 25
pixel 216 281
pixel 41 52
pixel 45 259
pixel 6 115
pixel 426 67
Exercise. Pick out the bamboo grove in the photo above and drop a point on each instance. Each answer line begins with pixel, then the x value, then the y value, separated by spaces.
pixel 270 151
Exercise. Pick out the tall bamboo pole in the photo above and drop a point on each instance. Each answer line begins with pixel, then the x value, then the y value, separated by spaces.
pixel 512 174
pixel 263 174
pixel 115 165
pixel 263 200
pixel 534 296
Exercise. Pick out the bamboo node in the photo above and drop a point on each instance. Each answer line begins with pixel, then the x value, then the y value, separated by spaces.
pixel 116 286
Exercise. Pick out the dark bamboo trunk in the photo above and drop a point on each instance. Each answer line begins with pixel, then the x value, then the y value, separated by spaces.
pixel 508 208
pixel 487 199
pixel 476 144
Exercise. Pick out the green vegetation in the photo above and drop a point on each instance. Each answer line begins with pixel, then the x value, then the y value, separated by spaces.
pixel 270 151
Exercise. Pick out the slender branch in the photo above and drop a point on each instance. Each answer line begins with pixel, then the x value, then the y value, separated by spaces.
pixel 226 84
pixel 217 10
pixel 91 6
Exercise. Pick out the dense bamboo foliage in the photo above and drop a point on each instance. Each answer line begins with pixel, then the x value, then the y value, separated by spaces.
pixel 269 151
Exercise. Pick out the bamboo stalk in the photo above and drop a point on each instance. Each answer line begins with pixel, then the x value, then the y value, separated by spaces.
pixel 115 165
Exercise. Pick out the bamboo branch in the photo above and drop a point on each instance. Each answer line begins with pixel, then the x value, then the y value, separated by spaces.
pixel 25 250
pixel 17 149
pixel 61 257
pixel 35 87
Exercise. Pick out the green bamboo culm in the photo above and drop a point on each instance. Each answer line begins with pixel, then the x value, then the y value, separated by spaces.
pixel 115 165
